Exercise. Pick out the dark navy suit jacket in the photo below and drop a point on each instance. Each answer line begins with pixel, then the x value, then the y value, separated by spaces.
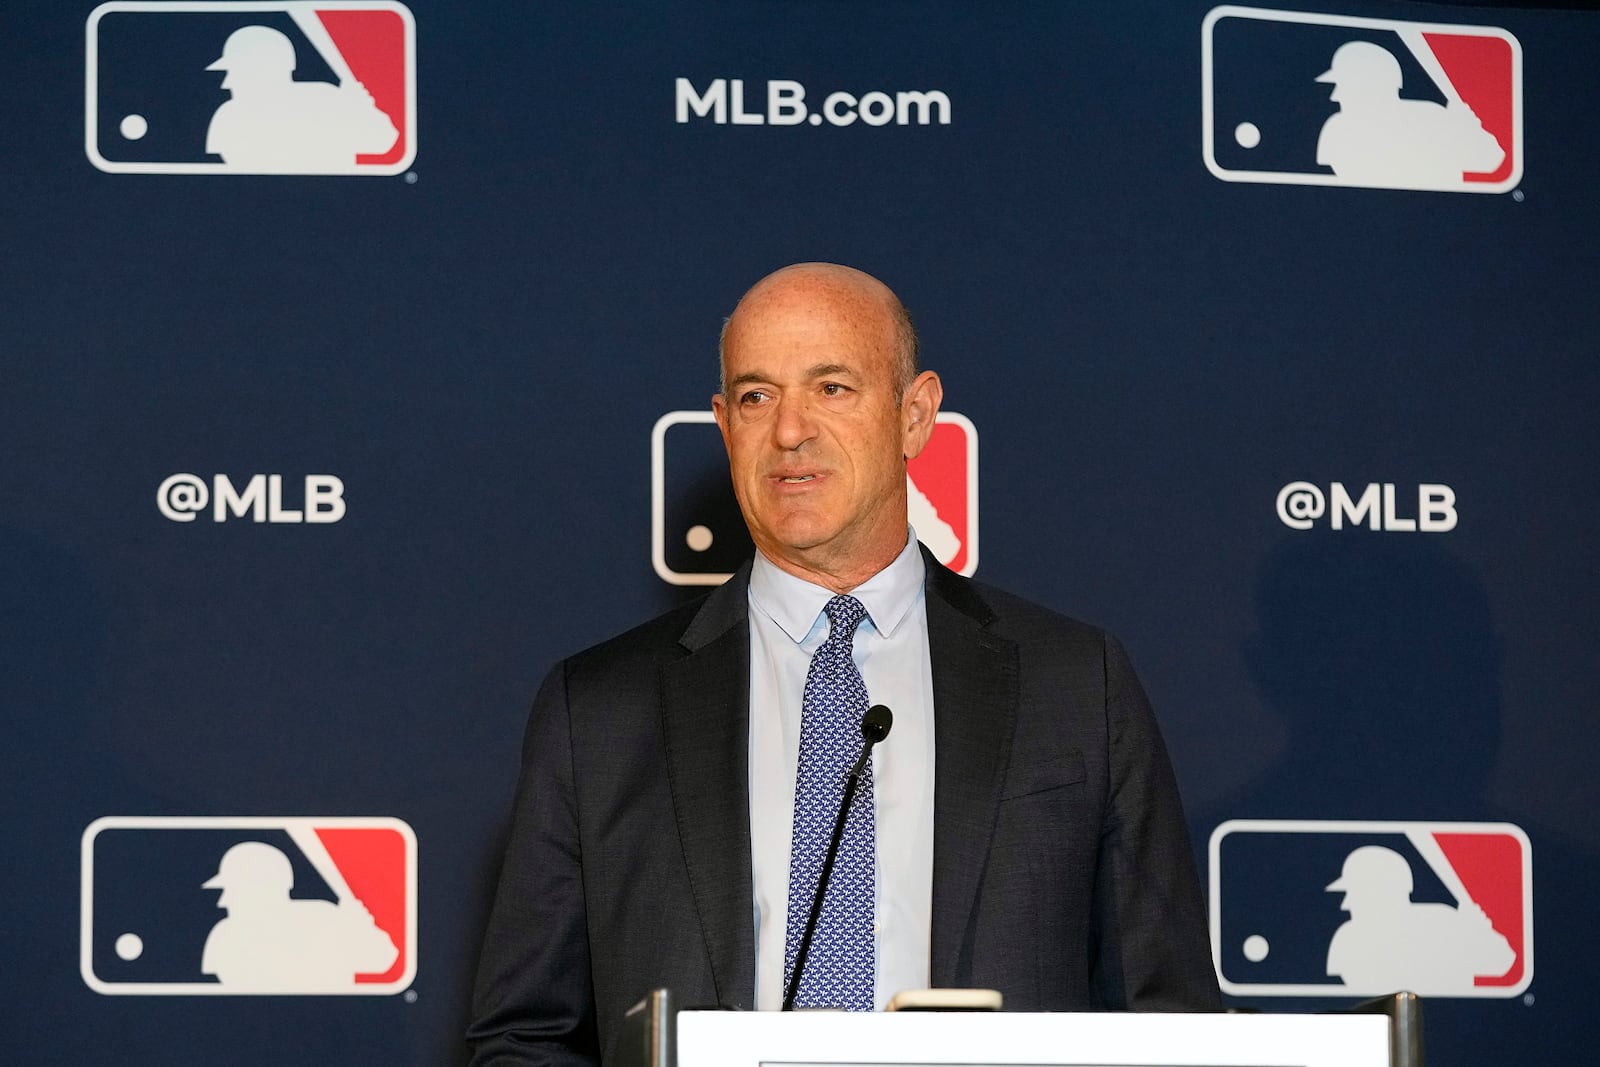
pixel 1062 868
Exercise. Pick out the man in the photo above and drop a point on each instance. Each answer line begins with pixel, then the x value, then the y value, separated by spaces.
pixel 1027 834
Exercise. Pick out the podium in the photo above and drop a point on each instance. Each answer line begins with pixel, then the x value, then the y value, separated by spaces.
pixel 657 1035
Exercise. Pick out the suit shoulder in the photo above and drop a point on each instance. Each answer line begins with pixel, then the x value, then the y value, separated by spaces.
pixel 1021 619
pixel 683 630
pixel 640 647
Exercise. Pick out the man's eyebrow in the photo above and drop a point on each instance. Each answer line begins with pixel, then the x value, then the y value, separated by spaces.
pixel 820 370
pixel 830 370
pixel 746 378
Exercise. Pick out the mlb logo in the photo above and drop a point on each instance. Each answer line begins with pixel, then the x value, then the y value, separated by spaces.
pixel 248 906
pixel 698 537
pixel 285 87
pixel 1340 909
pixel 1300 98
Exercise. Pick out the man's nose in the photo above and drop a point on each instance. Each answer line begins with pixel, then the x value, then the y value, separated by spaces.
pixel 795 424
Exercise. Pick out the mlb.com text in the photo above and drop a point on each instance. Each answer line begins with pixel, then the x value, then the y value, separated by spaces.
pixel 724 102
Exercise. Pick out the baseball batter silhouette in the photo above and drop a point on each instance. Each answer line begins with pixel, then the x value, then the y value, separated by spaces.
pixel 274 124
pixel 272 943
pixel 940 537
pixel 1390 943
pixel 1377 138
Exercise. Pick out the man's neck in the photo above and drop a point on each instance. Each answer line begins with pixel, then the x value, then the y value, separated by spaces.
pixel 840 579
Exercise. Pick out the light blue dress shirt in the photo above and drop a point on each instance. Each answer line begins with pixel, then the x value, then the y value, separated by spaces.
pixel 787 625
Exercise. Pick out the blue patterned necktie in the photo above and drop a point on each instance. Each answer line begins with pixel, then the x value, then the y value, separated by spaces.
pixel 839 966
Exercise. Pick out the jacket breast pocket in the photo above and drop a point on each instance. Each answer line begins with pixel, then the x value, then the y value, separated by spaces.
pixel 1044 801
pixel 1041 776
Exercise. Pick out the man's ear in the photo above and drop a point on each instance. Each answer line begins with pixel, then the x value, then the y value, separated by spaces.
pixel 719 409
pixel 919 409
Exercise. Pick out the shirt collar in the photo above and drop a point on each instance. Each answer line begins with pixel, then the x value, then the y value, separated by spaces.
pixel 796 604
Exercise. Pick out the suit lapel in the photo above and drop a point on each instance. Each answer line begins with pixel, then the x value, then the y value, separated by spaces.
pixel 975 693
pixel 705 699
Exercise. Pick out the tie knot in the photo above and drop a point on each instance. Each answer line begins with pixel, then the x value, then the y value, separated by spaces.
pixel 844 615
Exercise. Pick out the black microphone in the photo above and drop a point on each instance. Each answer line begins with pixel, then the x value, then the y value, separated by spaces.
pixel 874 728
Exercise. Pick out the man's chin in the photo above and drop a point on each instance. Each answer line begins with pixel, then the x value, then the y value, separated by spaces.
pixel 802 544
pixel 797 541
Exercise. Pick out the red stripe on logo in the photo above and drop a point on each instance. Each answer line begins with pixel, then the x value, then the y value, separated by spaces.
pixel 1480 69
pixel 373 862
pixel 373 43
pixel 1490 866
pixel 940 471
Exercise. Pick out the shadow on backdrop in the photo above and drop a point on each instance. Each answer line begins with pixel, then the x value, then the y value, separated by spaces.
pixel 1381 658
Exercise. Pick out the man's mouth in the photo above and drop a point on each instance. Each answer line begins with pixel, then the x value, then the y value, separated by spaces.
pixel 797 479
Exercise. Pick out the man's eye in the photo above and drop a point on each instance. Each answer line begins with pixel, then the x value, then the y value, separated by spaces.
pixel 833 389
pixel 754 396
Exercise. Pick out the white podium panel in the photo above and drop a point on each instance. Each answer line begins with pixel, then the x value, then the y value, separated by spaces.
pixel 1000 1039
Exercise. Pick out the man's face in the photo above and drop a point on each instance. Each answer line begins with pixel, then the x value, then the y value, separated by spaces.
pixel 817 443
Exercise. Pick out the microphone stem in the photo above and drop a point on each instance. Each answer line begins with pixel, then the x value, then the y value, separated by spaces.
pixel 851 781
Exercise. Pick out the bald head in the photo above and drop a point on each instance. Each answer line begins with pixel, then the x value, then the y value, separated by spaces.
pixel 853 296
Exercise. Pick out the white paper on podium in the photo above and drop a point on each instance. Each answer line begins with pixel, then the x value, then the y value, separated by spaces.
pixel 1066 1039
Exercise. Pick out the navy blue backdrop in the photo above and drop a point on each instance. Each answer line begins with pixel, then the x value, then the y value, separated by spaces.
pixel 468 343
